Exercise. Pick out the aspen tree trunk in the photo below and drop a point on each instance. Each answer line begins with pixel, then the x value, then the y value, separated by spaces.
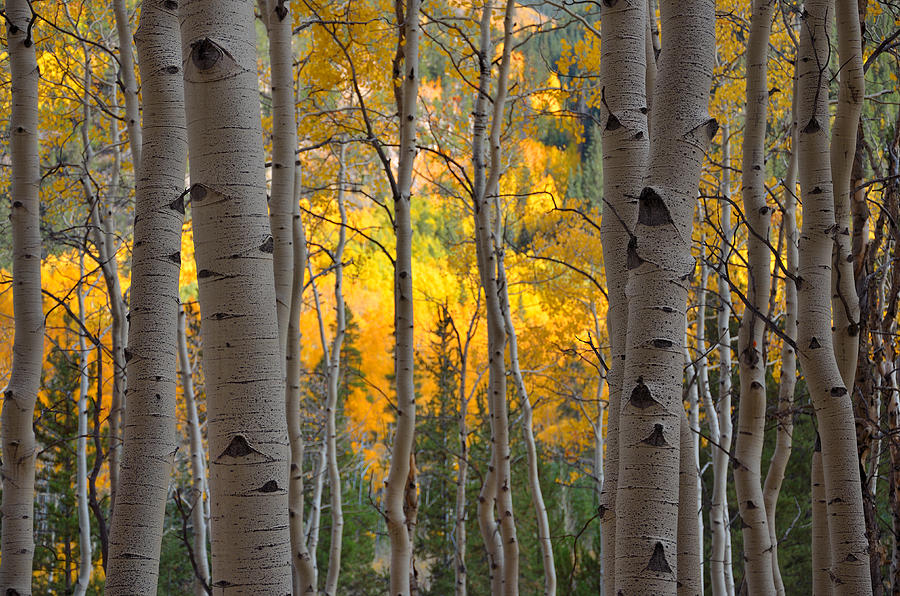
pixel 651 51
pixel 534 484
pixel 149 424
pixel 534 481
pixel 85 565
pixel 242 360
pixel 486 176
pixel 198 457
pixel 659 265
pixel 751 337
pixel 721 551
pixel 319 472
pixel 891 393
pixel 411 511
pixel 821 550
pixel 128 84
pixel 461 571
pixel 597 425
pixel 304 572
pixel 103 236
pixel 894 421
pixel 284 219
pixel 488 525
pixel 93 497
pixel 690 541
pixel 333 386
pixel 840 463
pixel 784 414
pixel 101 220
pixel 690 533
pixel 718 518
pixel 870 371
pixel 844 300
pixel 404 436
pixel 488 495
pixel 623 72
pixel 284 147
pixel 20 395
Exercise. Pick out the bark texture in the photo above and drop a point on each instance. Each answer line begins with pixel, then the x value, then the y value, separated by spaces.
pixel 305 576
pixel 623 73
pixel 851 90
pixel 821 550
pixel 199 492
pixel 784 414
pixel 284 145
pixel 85 564
pixel 128 84
pixel 659 263
pixel 404 356
pixel 497 489
pixel 534 484
pixel 751 337
pixel 20 395
pixel 722 578
pixel 150 439
pixel 332 381
pixel 242 361
pixel 690 551
pixel 849 557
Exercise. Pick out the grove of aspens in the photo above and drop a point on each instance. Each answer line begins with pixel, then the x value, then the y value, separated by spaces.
pixel 432 298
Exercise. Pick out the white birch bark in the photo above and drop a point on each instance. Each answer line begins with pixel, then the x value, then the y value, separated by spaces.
pixel 150 439
pixel 20 394
pixel 829 395
pixel 459 534
pixel 242 360
pixel 199 493
pixel 102 232
pixel 659 264
pixel 718 515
